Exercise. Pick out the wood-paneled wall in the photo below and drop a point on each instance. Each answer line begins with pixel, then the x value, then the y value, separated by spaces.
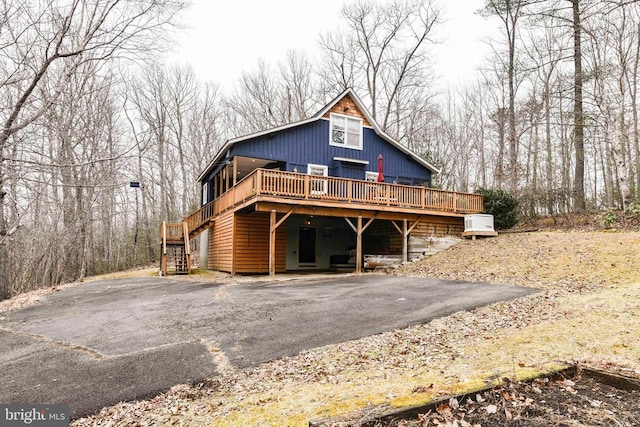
pixel 252 244
pixel 221 243
pixel 421 239
pixel 243 240
pixel 348 107
pixel 439 227
pixel 382 238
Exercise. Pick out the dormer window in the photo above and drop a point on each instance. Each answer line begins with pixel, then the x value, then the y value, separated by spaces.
pixel 346 131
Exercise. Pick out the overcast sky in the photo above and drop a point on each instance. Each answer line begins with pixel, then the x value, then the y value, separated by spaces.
pixel 222 39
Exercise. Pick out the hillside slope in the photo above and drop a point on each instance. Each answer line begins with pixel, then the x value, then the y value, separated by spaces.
pixel 551 259
pixel 586 310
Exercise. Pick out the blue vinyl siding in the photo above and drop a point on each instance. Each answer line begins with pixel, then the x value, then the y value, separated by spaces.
pixel 301 145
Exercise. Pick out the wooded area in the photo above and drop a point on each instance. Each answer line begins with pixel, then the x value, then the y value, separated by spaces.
pixel 87 108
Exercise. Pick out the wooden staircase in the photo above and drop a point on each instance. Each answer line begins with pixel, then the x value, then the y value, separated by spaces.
pixel 175 249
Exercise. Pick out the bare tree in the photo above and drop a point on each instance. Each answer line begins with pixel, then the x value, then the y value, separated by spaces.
pixel 510 12
pixel 46 43
pixel 545 53
pixel 382 52
pixel 272 96
pixel 578 113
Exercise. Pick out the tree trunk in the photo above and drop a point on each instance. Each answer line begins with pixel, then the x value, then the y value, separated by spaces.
pixel 536 143
pixel 607 169
pixel 634 110
pixel 5 285
pixel 579 201
pixel 513 143
pixel 549 155
pixel 617 151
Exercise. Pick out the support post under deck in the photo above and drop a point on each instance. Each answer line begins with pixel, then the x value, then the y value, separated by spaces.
pixel 272 243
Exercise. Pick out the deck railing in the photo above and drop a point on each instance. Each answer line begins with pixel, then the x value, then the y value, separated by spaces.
pixel 302 186
pixel 171 232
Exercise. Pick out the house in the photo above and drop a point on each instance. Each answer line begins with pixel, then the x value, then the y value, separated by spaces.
pixel 316 194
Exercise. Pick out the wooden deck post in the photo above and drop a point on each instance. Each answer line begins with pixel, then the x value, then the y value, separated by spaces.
pixel 307 186
pixel 163 255
pixel 405 241
pixel 227 172
pixel 272 244
pixel 359 230
pixel 405 232
pixel 258 182
pixel 273 227
pixel 187 245
pixel 235 170
pixel 359 246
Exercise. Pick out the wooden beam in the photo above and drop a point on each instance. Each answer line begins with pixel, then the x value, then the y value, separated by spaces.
pixel 164 237
pixel 272 243
pixel 405 243
pixel 187 245
pixel 359 246
pixel 415 223
pixel 397 227
pixel 307 186
pixel 258 182
pixel 359 230
pixel 163 256
pixel 235 170
pixel 353 227
pixel 368 223
pixel 342 209
pixel 283 219
pixel 273 227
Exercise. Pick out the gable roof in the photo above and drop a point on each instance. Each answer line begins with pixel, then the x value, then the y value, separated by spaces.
pixel 347 92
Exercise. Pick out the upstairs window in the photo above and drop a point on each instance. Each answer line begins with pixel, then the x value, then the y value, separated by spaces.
pixel 346 132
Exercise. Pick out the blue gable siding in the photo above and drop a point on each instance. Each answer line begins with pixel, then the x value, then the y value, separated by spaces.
pixel 309 143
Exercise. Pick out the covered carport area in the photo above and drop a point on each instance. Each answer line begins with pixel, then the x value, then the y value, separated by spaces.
pixel 359 219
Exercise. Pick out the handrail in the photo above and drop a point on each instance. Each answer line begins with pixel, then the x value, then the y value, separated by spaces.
pixel 290 184
pixel 171 232
pixel 303 186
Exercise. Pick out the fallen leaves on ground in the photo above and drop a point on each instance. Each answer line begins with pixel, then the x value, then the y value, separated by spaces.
pixel 581 401
pixel 587 309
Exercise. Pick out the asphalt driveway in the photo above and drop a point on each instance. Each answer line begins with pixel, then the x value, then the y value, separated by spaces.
pixel 103 342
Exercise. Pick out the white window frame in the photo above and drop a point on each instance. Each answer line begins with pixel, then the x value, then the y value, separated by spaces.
pixel 318 186
pixel 371 176
pixel 205 193
pixel 342 120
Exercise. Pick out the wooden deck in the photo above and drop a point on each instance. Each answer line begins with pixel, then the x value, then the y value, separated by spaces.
pixel 330 192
